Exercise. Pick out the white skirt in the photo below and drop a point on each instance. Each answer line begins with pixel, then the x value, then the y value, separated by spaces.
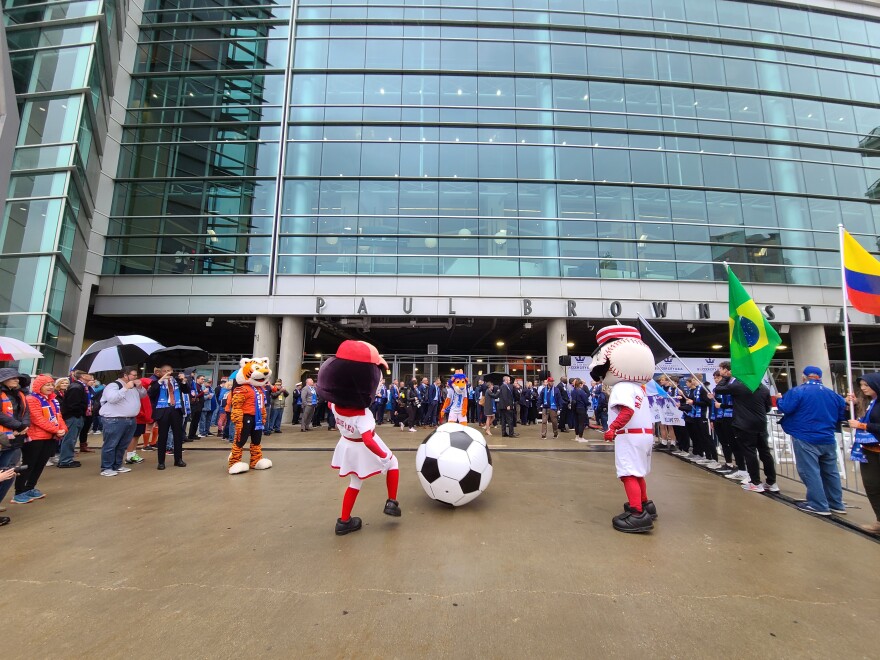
pixel 353 457
pixel 457 417
pixel 632 454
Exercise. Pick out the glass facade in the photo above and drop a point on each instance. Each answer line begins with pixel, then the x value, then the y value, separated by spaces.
pixel 63 57
pixel 624 139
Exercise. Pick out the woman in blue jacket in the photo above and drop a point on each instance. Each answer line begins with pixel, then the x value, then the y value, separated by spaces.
pixel 866 449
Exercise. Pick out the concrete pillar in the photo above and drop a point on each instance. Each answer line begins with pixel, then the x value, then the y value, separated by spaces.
pixel 290 357
pixel 266 339
pixel 557 340
pixel 810 348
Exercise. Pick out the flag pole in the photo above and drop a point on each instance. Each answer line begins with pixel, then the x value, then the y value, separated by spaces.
pixel 849 378
pixel 675 355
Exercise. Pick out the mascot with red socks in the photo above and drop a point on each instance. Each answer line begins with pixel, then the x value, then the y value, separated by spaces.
pixel 349 381
pixel 624 361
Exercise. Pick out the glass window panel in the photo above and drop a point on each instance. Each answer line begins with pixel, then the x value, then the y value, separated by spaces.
pixel 419 198
pixel 724 208
pixel 719 171
pixel 348 54
pixel 422 53
pixel 574 163
pixel 458 55
pixel 740 73
pixel 614 202
pixel 497 161
pixel 568 59
pixel 458 160
pixel 754 173
pixel 458 198
pixel 648 166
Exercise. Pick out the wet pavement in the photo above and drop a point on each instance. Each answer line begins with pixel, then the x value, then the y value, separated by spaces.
pixel 194 563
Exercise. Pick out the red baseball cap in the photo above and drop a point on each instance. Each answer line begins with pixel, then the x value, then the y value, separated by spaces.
pixel 360 351
pixel 610 332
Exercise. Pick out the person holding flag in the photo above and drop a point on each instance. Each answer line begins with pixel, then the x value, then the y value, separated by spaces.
pixel 753 342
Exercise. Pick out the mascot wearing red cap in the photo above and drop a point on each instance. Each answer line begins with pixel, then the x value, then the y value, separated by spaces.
pixel 349 381
pixel 624 361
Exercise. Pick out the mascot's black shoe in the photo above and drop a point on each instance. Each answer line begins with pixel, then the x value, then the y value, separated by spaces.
pixel 647 505
pixel 392 508
pixel 633 523
pixel 343 528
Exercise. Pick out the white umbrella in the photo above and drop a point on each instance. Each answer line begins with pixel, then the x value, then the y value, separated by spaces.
pixel 13 349
pixel 114 353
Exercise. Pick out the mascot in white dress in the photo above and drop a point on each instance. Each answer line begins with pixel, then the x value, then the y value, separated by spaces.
pixel 349 381
pixel 624 361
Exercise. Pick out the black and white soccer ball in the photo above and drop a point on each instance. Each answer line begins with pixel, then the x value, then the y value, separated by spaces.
pixel 454 464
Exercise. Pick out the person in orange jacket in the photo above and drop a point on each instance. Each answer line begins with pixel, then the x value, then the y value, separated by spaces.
pixel 47 426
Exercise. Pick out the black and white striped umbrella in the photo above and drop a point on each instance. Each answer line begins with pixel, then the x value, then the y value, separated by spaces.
pixel 114 353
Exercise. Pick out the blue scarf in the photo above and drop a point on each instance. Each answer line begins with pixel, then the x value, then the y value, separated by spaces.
pixel 51 405
pixel 863 438
pixel 259 398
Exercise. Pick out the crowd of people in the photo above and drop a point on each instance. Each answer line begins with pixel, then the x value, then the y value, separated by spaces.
pixel 43 421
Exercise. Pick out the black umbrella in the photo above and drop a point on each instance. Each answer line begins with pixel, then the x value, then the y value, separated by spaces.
pixel 495 378
pixel 114 353
pixel 178 356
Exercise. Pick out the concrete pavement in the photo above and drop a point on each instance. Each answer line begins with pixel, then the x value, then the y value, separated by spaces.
pixel 194 563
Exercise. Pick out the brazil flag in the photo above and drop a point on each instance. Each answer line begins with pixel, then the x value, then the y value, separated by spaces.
pixel 753 340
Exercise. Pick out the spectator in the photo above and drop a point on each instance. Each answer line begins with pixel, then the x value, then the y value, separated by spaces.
pixel 14 422
pixel 144 417
pixel 46 426
pixel 197 404
pixel 97 422
pixel 547 400
pixel 600 410
pixel 223 425
pixel 750 432
pixel 73 410
pixel 278 397
pixel 436 396
pixel 525 403
pixel 170 406
pixel 121 401
pixel 412 405
pixel 207 409
pixel 309 402
pixel 297 403
pixel 505 407
pixel 380 400
pixel 722 420
pixel 490 405
pixel 215 404
pixel 61 386
pixel 868 436
pixel 812 413
pixel 89 416
pixel 580 404
pixel 563 401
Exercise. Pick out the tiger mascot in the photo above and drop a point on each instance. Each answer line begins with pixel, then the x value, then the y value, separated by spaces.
pixel 248 413
pixel 455 406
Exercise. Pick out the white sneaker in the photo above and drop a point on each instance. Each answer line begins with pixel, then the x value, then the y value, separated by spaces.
pixel 109 473
pixel 739 475
pixel 702 461
pixel 412 430
pixel 713 465
pixel 772 488
pixel 679 453
pixel 752 488
pixel 123 469
pixel 51 461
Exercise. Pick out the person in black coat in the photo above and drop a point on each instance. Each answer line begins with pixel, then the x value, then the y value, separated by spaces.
pixel 525 403
pixel 750 431
pixel 196 404
pixel 563 402
pixel 505 408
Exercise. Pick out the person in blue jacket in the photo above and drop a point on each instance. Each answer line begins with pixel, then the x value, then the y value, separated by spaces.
pixel 812 414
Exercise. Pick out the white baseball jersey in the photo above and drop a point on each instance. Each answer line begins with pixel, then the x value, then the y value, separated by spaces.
pixel 632 451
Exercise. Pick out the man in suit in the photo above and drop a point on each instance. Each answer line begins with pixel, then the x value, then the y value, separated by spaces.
pixel 309 402
pixel 380 398
pixel 170 401
pixel 423 402
pixel 525 403
pixel 505 408
pixel 563 400
pixel 435 396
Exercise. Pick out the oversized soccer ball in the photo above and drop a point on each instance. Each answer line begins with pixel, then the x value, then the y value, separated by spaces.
pixel 454 464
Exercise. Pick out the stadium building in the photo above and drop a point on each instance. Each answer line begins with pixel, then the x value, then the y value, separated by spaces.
pixel 461 182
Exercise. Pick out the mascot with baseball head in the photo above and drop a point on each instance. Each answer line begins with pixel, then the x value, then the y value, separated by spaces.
pixel 349 381
pixel 624 361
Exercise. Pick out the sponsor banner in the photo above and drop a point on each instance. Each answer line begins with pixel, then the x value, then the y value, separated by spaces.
pixel 580 368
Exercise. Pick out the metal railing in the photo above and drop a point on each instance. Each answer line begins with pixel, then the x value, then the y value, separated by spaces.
pixel 786 465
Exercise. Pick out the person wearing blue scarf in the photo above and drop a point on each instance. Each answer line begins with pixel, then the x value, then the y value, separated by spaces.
pixel 168 396
pixel 866 448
